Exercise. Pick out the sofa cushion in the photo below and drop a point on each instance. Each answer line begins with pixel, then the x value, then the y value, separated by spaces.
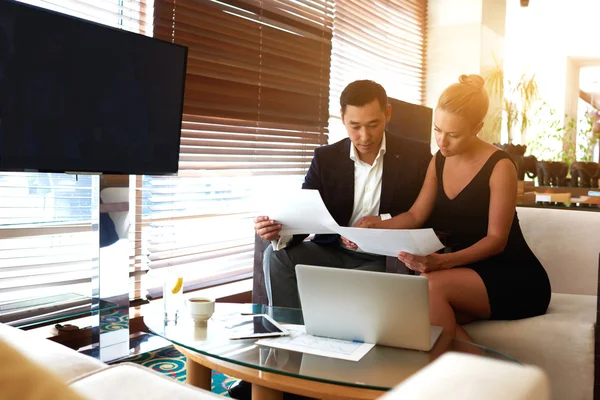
pixel 561 342
pixel 452 377
pixel 22 379
pixel 566 243
pixel 131 381
pixel 63 361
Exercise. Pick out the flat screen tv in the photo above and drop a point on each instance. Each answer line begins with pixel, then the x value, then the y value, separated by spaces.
pixel 410 120
pixel 77 96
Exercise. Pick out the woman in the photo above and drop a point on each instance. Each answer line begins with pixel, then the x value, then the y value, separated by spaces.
pixel 470 193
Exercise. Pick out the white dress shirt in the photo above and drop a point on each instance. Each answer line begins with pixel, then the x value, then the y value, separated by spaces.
pixel 367 191
pixel 367 184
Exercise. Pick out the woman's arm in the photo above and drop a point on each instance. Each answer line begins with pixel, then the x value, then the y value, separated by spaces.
pixel 418 213
pixel 503 198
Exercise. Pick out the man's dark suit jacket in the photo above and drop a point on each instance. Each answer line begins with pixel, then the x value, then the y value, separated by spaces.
pixel 332 173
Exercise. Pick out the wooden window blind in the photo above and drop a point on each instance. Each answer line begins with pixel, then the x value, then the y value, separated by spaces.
pixel 384 41
pixel 256 106
pixel 48 245
pixel 257 85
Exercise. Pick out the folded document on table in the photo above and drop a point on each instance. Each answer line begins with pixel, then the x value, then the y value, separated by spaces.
pixel 300 341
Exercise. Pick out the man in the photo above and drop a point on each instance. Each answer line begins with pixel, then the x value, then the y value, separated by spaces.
pixel 370 173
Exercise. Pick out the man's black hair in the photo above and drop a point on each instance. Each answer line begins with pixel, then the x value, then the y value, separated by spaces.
pixel 362 92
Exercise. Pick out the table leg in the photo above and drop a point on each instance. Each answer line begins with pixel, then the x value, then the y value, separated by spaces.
pixel 198 375
pixel 263 393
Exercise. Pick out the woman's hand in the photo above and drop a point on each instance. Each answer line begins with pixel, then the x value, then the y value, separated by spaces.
pixel 368 222
pixel 432 262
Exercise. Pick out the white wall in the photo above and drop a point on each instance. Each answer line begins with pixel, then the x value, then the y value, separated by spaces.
pixel 552 39
pixel 540 39
pixel 571 87
pixel 465 37
pixel 454 43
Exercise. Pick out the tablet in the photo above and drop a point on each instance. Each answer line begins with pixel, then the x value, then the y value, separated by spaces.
pixel 254 326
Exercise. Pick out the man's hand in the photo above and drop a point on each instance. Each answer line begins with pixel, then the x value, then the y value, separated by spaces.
pixel 349 244
pixel 368 222
pixel 267 228
pixel 432 262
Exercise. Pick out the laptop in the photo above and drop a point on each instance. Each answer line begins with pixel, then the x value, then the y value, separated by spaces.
pixel 372 307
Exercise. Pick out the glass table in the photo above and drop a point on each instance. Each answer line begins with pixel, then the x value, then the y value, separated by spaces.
pixel 45 310
pixel 273 371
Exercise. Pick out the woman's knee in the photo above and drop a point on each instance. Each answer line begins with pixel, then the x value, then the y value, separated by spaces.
pixel 436 282
pixel 462 289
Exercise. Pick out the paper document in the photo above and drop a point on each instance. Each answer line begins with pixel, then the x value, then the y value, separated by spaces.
pixel 300 211
pixel 300 341
pixel 390 242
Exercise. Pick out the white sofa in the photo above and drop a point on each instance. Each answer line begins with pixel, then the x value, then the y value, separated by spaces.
pixel 454 375
pixel 561 342
pixel 88 378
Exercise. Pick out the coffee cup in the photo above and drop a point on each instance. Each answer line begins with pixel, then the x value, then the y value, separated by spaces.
pixel 200 309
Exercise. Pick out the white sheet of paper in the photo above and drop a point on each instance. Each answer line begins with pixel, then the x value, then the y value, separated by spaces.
pixel 300 211
pixel 390 242
pixel 300 341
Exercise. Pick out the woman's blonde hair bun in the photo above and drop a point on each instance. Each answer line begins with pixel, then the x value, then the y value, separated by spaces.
pixel 466 98
pixel 473 80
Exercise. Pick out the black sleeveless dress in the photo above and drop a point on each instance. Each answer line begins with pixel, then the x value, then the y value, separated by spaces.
pixel 516 282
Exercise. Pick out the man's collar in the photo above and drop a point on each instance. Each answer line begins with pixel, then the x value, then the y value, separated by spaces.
pixel 382 149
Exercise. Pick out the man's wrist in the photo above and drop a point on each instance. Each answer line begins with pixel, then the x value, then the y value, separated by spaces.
pixel 281 243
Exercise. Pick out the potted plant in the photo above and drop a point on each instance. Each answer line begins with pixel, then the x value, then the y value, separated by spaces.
pixel 516 97
pixel 564 140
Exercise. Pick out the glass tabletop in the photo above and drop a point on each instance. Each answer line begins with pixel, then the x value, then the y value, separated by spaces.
pixel 380 369
pixel 46 310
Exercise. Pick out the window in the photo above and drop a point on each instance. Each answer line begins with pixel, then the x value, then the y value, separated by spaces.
pixel 256 107
pixel 125 14
pixel 48 243
pixel 384 41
